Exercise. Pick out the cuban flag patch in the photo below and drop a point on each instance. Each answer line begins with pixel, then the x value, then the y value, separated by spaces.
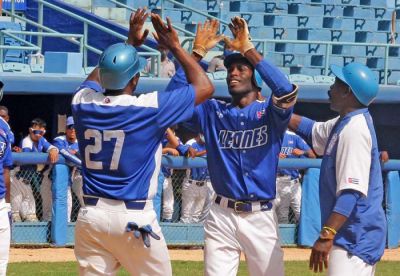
pixel 353 180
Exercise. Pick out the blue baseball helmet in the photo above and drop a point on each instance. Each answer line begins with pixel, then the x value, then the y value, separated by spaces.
pixel 231 57
pixel 360 79
pixel 118 64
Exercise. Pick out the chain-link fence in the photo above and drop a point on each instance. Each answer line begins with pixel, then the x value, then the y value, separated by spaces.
pixel 44 199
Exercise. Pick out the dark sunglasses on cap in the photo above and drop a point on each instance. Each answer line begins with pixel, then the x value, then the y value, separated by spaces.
pixel 71 127
pixel 38 131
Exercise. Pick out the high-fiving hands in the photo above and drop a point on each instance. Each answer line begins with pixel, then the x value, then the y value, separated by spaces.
pixel 136 35
pixel 206 37
pixel 166 35
pixel 241 41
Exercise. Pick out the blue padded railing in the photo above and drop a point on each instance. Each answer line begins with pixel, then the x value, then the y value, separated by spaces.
pixel 61 232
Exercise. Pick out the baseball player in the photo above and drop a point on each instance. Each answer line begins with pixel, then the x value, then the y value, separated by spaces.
pixel 243 141
pixel 22 198
pixel 5 209
pixel 196 194
pixel 171 146
pixel 120 138
pixel 288 188
pixel 353 235
pixel 68 146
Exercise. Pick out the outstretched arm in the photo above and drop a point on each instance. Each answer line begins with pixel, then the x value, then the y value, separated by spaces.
pixel 167 37
pixel 284 92
pixel 206 39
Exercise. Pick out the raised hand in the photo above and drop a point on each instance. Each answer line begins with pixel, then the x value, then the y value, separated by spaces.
pixel 206 37
pixel 136 36
pixel 240 31
pixel 166 35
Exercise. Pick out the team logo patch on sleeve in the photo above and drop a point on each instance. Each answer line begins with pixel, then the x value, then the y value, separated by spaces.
pixel 353 180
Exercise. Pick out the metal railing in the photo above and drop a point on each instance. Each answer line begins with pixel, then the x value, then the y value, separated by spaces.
pixel 33 47
pixel 328 49
pixel 86 23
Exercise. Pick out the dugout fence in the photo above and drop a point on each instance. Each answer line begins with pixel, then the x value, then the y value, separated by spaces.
pixel 33 171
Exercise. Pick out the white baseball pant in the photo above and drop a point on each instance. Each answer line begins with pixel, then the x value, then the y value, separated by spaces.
pixel 288 194
pixel 77 185
pixel 47 198
pixel 195 198
pixel 5 236
pixel 168 199
pixel 228 233
pixel 22 200
pixel 102 244
pixel 341 263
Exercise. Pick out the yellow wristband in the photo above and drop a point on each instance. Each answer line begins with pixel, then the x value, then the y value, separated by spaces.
pixel 200 50
pixel 247 47
pixel 330 229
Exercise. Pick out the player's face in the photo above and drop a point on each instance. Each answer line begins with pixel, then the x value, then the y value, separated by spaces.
pixel 4 115
pixel 239 78
pixel 70 133
pixel 36 132
pixel 337 95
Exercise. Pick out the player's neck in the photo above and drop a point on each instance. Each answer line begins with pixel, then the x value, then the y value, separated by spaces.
pixel 347 110
pixel 244 100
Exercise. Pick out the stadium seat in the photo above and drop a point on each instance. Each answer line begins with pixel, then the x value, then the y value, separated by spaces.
pixel 219 75
pixel 299 78
pixel 16 67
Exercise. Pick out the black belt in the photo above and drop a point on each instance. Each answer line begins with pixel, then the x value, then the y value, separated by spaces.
pixel 131 205
pixel 197 182
pixel 246 206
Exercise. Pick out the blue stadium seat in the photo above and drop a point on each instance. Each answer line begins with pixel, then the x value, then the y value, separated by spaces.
pixel 16 67
pixel 241 6
pixel 314 34
pixel 363 36
pixel 280 20
pixel 332 23
pixel 384 25
pixel 375 62
pixel 304 9
pixel 324 79
pixel 299 78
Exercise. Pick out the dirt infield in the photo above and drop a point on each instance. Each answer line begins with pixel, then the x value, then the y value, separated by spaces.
pixel 67 254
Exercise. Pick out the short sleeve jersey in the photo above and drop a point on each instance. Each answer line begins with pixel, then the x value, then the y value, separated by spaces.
pixel 120 138
pixel 351 161
pixel 5 154
pixel 243 147
pixel 290 142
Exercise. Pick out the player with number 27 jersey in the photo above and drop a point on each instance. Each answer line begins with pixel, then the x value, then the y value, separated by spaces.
pixel 129 174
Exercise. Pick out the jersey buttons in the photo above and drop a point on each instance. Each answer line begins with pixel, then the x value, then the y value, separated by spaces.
pixel 241 123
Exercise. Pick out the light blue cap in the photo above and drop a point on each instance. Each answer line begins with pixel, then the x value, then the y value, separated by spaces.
pixel 360 79
pixel 70 121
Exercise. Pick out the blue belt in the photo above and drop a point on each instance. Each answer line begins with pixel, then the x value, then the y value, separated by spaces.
pixel 131 205
pixel 246 206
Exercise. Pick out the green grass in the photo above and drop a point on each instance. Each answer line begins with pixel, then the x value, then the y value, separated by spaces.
pixel 179 268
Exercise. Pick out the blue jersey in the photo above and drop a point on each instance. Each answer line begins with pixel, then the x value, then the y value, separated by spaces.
pixel 120 138
pixel 61 142
pixel 28 145
pixel 5 154
pixel 198 174
pixel 243 144
pixel 7 129
pixel 290 142
pixel 351 161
